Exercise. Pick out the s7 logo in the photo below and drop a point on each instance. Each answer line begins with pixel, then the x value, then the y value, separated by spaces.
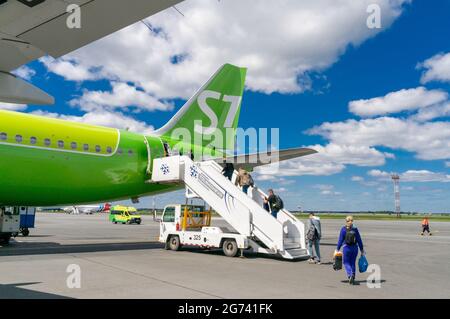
pixel 201 100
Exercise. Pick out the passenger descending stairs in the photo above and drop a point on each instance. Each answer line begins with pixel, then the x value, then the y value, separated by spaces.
pixel 283 236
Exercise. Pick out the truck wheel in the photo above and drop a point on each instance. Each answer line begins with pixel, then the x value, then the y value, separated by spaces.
pixel 230 248
pixel 138 222
pixel 174 243
pixel 5 240
pixel 25 232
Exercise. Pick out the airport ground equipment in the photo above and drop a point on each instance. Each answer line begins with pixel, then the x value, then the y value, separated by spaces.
pixel 254 228
pixel 27 219
pixel 190 225
pixel 9 223
pixel 124 215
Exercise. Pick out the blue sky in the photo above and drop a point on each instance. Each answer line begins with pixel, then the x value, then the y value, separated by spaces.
pixel 368 65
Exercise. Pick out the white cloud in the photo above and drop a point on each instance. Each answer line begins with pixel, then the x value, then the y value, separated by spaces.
pixel 277 41
pixel 357 179
pixel 447 164
pixel 429 141
pixel 12 107
pixel 330 159
pixel 379 174
pixel 102 118
pixel 394 102
pixel 437 68
pixel 324 187
pixel 24 72
pixel 413 176
pixel 432 112
pixel 327 189
pixel 121 96
pixel 424 176
pixel 70 69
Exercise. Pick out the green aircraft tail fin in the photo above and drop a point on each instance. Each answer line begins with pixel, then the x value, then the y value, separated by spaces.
pixel 211 116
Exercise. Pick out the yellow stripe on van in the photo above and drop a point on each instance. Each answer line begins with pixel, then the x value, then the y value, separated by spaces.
pixel 23 129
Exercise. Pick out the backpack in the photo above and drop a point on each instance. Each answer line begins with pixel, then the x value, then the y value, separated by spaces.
pixel 278 202
pixel 311 234
pixel 350 237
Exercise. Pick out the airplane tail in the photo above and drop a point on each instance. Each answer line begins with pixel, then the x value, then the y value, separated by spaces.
pixel 210 117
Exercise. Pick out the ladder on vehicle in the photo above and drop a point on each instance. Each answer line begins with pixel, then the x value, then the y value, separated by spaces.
pixel 283 236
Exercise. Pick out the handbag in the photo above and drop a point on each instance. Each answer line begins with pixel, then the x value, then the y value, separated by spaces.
pixel 337 261
pixel 363 264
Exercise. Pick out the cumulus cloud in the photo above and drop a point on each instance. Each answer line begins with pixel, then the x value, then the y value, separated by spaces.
pixel 122 95
pixel 435 111
pixel 109 119
pixel 70 68
pixel 429 141
pixel 379 174
pixel 12 107
pixel 413 176
pixel 24 72
pixel 329 160
pixel 394 102
pixel 357 179
pixel 436 68
pixel 327 189
pixel 277 41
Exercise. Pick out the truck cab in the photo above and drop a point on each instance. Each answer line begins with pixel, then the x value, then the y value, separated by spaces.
pixel 9 223
pixel 124 215
pixel 190 225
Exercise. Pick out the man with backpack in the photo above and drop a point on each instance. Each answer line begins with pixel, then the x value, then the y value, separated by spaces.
pixel 275 203
pixel 350 240
pixel 313 235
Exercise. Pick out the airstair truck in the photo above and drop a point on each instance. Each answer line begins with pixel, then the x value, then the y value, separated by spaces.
pixel 259 230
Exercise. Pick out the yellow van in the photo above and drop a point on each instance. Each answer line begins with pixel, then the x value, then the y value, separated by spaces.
pixel 124 215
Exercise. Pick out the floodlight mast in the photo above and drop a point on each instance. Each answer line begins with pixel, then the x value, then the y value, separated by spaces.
pixel 396 180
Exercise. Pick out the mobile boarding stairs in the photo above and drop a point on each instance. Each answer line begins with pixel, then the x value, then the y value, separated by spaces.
pixel 283 236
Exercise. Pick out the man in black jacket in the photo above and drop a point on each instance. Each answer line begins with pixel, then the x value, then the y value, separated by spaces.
pixel 275 203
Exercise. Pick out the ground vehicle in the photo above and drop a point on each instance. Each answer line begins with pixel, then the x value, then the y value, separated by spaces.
pixel 253 226
pixel 190 225
pixel 27 218
pixel 124 215
pixel 9 223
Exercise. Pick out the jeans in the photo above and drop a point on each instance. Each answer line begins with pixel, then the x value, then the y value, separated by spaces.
pixel 275 212
pixel 245 188
pixel 316 244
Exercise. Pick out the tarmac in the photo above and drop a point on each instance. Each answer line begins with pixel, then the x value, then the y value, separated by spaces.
pixel 126 261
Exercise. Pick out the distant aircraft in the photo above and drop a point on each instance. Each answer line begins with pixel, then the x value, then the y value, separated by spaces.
pixel 87 209
pixel 51 162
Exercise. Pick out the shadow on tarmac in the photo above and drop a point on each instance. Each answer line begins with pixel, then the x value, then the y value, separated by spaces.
pixel 359 282
pixel 45 248
pixel 15 291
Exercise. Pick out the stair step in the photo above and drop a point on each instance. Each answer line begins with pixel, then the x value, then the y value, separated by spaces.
pixel 291 245
pixel 297 252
